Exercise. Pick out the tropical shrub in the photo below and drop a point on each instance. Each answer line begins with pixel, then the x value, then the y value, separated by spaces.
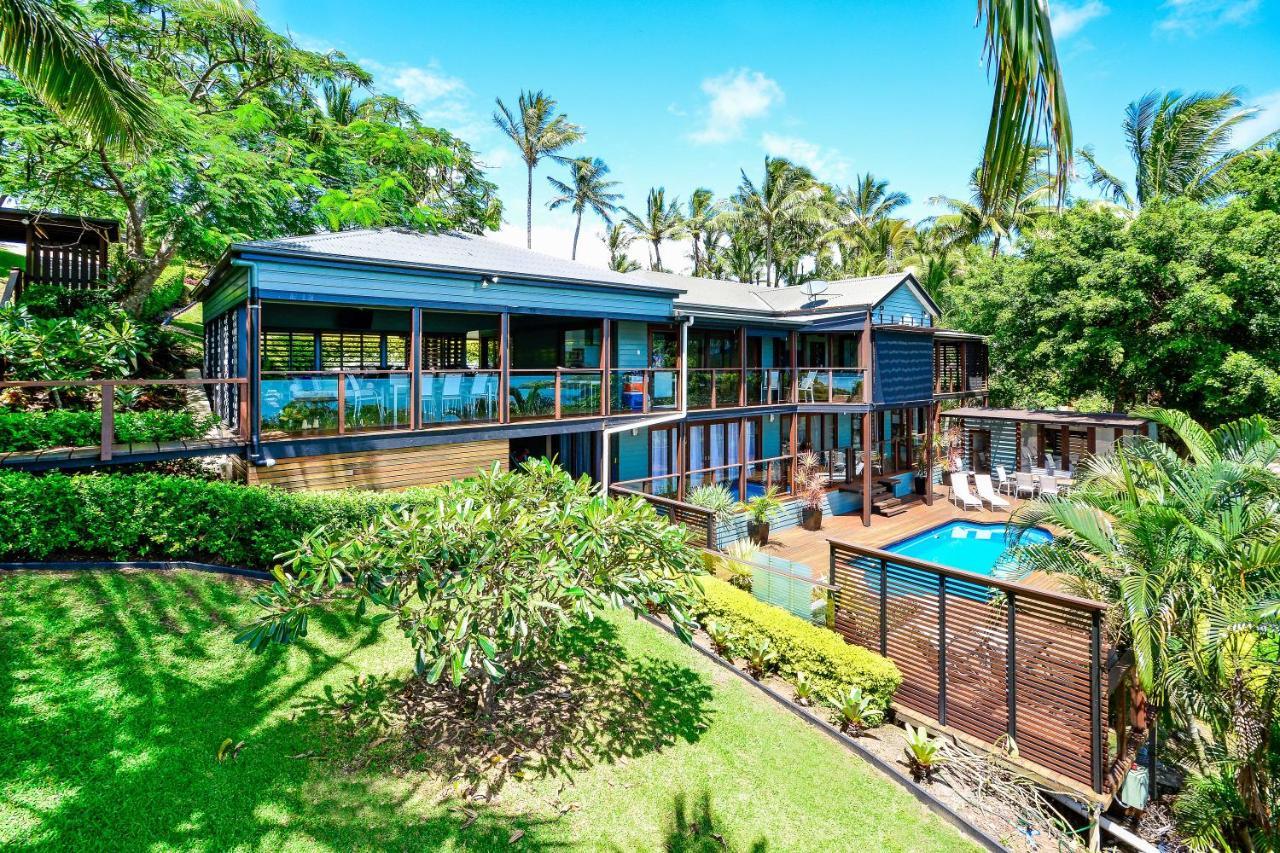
pixel 802 686
pixel 159 517
pixel 736 562
pixel 1186 548
pixel 761 657
pixel 25 430
pixel 713 497
pixel 487 579
pixel 761 508
pixel 721 638
pixel 832 664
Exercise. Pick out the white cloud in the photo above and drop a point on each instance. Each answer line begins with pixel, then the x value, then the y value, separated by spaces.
pixel 1192 17
pixel 826 163
pixel 1067 19
pixel 553 234
pixel 735 97
pixel 422 86
pixel 1267 120
pixel 440 98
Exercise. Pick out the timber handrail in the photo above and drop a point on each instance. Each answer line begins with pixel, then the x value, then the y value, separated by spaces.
pixel 1021 590
pixel 676 509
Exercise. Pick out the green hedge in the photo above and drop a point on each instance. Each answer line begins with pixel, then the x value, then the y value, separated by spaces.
pixel 822 654
pixel 63 428
pixel 159 517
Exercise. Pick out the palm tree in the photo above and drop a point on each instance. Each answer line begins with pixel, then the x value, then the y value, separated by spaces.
pixel 588 189
pixel 984 217
pixel 339 101
pixel 869 201
pixel 935 262
pixel 702 208
pixel 870 239
pixel 1185 547
pixel 1030 96
pixel 537 132
pixel 1180 146
pixel 788 198
pixel 72 75
pixel 618 240
pixel 660 221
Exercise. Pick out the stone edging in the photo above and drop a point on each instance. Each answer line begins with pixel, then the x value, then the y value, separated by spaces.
pixel 950 815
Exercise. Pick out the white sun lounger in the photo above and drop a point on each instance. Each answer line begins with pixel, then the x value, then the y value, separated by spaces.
pixel 987 493
pixel 960 492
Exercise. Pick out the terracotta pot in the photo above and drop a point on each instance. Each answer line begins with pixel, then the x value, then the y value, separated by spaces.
pixel 758 532
pixel 811 519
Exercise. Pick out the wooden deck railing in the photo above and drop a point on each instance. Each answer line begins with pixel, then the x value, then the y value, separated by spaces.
pixel 106 389
pixel 982 655
pixel 697 519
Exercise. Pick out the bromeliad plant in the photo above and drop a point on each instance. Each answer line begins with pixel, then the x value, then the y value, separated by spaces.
pixel 802 685
pixel 924 753
pixel 486 581
pixel 762 657
pixel 721 638
pixel 855 711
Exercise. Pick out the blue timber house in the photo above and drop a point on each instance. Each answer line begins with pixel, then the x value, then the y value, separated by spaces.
pixel 388 358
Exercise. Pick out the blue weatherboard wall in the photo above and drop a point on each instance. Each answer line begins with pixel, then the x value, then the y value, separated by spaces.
pixel 633 343
pixel 904 367
pixel 633 454
pixel 901 302
pixel 231 291
pixel 357 284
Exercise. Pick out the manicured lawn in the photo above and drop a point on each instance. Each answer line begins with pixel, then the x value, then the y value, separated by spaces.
pixel 191 321
pixel 116 691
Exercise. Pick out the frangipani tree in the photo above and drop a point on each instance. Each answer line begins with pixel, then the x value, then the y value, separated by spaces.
pixel 486 581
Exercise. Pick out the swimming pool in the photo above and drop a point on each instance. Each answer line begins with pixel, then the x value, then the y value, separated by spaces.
pixel 971 546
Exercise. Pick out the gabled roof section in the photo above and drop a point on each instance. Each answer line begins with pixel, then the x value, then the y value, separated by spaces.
pixel 449 251
pixel 849 295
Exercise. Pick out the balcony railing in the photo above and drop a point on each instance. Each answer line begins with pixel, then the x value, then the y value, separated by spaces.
pixel 460 396
pixel 830 384
pixel 715 387
pixel 554 393
pixel 319 403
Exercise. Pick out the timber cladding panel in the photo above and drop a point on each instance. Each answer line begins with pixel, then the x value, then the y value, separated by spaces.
pixel 383 470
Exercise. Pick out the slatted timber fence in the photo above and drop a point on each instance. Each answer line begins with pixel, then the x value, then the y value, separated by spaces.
pixel 983 656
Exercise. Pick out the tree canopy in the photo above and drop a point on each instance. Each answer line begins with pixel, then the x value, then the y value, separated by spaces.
pixel 244 148
pixel 1179 306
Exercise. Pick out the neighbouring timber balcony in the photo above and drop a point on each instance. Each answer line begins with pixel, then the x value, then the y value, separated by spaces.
pixel 959 367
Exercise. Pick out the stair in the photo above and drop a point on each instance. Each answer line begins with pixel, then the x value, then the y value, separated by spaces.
pixel 892 506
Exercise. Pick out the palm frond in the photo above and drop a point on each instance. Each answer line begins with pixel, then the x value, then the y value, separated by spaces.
pixel 75 77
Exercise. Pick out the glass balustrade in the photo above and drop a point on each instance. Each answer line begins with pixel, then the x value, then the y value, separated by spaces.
pixel 459 396
pixel 299 403
pixel 374 402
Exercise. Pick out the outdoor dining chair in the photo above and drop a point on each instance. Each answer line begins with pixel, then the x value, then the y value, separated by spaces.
pixel 1025 483
pixel 483 388
pixel 1004 483
pixel 771 387
pixel 806 385
pixel 451 396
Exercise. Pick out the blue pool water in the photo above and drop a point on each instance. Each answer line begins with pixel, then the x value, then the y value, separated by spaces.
pixel 973 547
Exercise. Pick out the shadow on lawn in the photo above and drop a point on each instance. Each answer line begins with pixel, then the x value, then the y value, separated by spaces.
pixel 700 832
pixel 115 692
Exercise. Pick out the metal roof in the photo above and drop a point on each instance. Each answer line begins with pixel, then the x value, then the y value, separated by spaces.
pixel 842 296
pixel 54 227
pixel 1050 416
pixel 449 251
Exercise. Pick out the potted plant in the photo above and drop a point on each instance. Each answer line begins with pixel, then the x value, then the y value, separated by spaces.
pixel 923 472
pixel 810 489
pixel 759 510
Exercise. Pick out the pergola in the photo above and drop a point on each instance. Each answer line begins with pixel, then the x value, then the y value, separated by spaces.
pixel 65 251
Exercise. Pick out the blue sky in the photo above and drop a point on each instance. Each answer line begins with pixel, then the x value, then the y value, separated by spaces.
pixel 683 95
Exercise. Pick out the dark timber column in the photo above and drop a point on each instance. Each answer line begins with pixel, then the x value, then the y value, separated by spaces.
pixel 742 459
pixel 605 368
pixel 928 455
pixel 504 367
pixel 793 346
pixel 682 458
pixel 866 469
pixel 1092 441
pixel 415 368
pixel 864 354
pixel 742 365
pixel 1064 449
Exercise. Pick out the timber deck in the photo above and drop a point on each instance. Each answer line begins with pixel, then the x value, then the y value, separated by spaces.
pixel 121 454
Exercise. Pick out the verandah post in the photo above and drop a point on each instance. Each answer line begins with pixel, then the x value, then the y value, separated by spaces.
pixel 1011 671
pixel 942 649
pixel 884 607
pixel 1095 699
pixel 108 436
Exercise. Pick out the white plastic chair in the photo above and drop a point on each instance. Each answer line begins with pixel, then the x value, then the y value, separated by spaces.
pixel 451 396
pixel 960 494
pixel 771 388
pixel 482 388
pixel 985 492
pixel 1024 482
pixel 1048 486
pixel 1004 484
pixel 806 384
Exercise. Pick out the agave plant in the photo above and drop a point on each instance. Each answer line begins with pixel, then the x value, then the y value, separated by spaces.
pixel 761 657
pixel 924 753
pixel 855 711
pixel 721 638
pixel 803 686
